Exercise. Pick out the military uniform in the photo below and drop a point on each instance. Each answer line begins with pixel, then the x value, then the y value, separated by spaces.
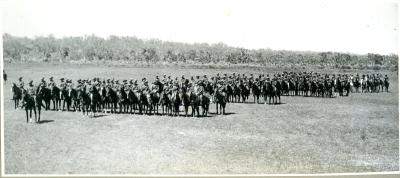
pixel 51 83
pixel 31 89
pixel 21 84
pixel 62 84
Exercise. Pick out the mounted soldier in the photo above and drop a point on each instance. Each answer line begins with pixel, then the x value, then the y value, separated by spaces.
pixel 51 82
pixel 20 83
pixel 42 82
pixel 164 79
pixel 62 84
pixel 31 89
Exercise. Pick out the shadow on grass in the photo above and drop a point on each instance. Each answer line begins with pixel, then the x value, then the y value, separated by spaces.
pixel 226 113
pixel 100 115
pixel 45 121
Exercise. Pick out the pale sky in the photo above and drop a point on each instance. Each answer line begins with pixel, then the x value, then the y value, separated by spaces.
pixel 320 25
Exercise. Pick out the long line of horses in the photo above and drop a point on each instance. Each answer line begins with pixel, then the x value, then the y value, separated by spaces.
pixel 128 98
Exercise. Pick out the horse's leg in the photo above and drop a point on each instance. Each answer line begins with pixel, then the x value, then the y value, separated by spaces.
pixel 63 104
pixel 186 110
pixel 94 110
pixel 83 110
pixel 34 110
pixel 39 109
pixel 157 108
pixel 27 118
pixel 54 105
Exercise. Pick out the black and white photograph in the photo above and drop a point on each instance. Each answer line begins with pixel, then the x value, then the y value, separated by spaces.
pixel 199 87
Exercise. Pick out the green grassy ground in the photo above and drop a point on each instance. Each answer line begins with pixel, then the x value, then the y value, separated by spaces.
pixel 304 135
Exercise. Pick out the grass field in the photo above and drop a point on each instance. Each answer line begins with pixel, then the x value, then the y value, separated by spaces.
pixel 358 133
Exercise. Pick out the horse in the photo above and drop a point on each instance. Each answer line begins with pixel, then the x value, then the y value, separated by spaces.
pixel 153 100
pixel 122 100
pixel 357 85
pixel 176 102
pixel 143 102
pixel 29 104
pixel 285 88
pixel 314 88
pixel 186 100
pixel 195 103
pixel 265 91
pixel 306 87
pixel 236 93
pixel 244 92
pixel 66 99
pixel 347 87
pixel 165 102
pixel 292 88
pixel 320 89
pixel 274 93
pixel 17 95
pixel 133 101
pixel 221 100
pixel 112 97
pixel 205 104
pixel 229 92
pixel 256 92
pixel 328 89
pixel 40 95
pixel 72 96
pixel 84 101
pixel 386 85
pixel 95 100
pixel 376 85
pixel 105 103
pixel 55 97
pixel 46 97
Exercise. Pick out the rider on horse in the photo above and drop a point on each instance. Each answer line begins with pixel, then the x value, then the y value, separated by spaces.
pixel 20 83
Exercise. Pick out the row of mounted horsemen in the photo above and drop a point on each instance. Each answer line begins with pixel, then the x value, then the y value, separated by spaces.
pixel 127 97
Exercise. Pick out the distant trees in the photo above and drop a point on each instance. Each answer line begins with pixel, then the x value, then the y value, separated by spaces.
pixel 132 49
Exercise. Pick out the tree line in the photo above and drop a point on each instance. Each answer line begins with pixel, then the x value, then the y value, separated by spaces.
pixel 132 49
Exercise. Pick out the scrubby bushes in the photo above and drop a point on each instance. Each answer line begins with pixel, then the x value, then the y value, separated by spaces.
pixel 133 50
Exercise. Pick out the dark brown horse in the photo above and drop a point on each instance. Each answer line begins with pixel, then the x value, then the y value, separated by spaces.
pixel 17 95
pixel 205 104
pixel 256 92
pixel 112 98
pixel 220 99
pixel 133 101
pixel 176 102
pixel 28 101
pixel 186 100
pixel 55 97
pixel 195 103
pixel 84 101
pixel 153 100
